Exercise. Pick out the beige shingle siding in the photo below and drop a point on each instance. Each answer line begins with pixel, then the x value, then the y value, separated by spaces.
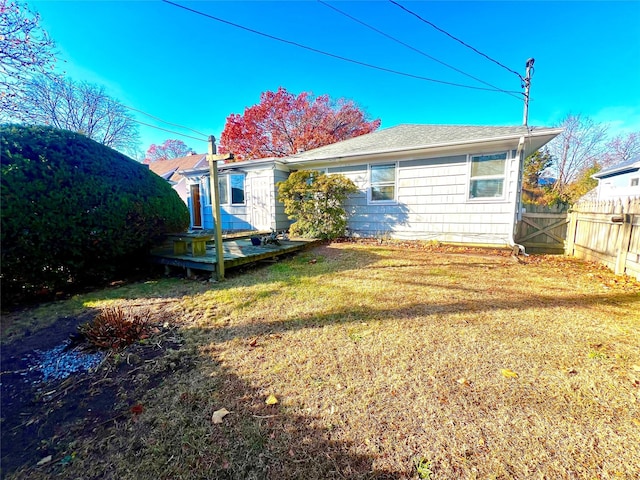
pixel 433 204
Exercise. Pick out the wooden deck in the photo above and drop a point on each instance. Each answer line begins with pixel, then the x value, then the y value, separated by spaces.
pixel 237 252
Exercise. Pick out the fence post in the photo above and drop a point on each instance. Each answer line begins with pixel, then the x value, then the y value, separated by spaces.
pixel 624 241
pixel 571 232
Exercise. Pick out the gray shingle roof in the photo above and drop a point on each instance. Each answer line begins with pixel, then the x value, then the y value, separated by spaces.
pixel 410 136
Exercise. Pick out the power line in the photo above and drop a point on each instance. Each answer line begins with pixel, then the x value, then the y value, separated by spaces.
pixel 164 121
pixel 418 50
pixel 456 39
pixel 315 50
pixel 167 130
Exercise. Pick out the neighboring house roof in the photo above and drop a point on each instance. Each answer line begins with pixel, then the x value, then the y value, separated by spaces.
pixel 169 169
pixel 267 162
pixel 410 137
pixel 620 168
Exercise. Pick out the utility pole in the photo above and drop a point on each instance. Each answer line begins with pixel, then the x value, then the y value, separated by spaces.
pixel 526 84
pixel 215 197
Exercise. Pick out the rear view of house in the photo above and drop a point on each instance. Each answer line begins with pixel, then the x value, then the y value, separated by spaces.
pixel 459 184
pixel 433 182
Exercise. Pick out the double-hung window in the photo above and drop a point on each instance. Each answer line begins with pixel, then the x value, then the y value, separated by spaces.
pixel 382 179
pixel 487 175
pixel 231 188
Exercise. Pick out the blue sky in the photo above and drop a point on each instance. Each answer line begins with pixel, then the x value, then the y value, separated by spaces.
pixel 191 70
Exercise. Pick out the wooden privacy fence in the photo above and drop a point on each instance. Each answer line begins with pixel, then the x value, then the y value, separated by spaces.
pixel 543 229
pixel 607 232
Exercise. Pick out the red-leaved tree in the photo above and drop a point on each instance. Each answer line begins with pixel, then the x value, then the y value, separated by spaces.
pixel 284 124
pixel 167 150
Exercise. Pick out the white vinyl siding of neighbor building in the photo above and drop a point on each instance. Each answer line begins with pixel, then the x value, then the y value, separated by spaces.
pixel 433 203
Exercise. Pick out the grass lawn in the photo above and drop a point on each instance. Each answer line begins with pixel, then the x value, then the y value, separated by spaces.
pixel 386 362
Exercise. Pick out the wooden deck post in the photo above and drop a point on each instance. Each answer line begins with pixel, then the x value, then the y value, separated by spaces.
pixel 217 216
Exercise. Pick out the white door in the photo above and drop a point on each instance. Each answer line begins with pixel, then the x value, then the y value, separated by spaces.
pixel 261 200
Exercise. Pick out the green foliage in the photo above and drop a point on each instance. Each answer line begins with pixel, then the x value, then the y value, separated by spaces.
pixel 315 201
pixel 75 211
pixel 583 184
pixel 534 165
pixel 575 190
pixel 423 468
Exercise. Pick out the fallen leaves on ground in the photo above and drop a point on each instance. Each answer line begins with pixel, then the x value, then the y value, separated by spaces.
pixel 507 373
pixel 218 415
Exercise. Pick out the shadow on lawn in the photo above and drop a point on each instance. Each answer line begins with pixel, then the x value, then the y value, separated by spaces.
pixel 272 442
pixel 260 441
pixel 418 309
pixel 175 438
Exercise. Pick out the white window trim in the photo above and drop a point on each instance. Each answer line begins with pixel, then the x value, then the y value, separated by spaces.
pixel 205 190
pixel 501 198
pixel 370 201
pixel 229 201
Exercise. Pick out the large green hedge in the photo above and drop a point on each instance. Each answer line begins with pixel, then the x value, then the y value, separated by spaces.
pixel 75 211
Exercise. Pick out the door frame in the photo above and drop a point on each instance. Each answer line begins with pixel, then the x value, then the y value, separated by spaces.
pixel 196 205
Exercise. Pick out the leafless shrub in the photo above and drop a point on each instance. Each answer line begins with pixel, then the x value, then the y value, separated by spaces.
pixel 114 328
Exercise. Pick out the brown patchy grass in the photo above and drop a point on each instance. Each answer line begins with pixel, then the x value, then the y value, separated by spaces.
pixel 382 358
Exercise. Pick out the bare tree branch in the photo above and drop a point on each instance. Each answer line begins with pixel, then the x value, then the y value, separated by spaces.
pixel 578 147
pixel 80 107
pixel 622 148
pixel 25 50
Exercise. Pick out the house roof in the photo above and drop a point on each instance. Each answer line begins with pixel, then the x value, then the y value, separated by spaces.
pixel 623 167
pixel 408 137
pixel 169 169
pixel 399 139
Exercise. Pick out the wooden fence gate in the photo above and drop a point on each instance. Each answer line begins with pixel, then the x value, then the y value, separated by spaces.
pixel 543 229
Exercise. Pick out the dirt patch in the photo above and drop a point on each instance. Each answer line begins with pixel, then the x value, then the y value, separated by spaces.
pixel 56 392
